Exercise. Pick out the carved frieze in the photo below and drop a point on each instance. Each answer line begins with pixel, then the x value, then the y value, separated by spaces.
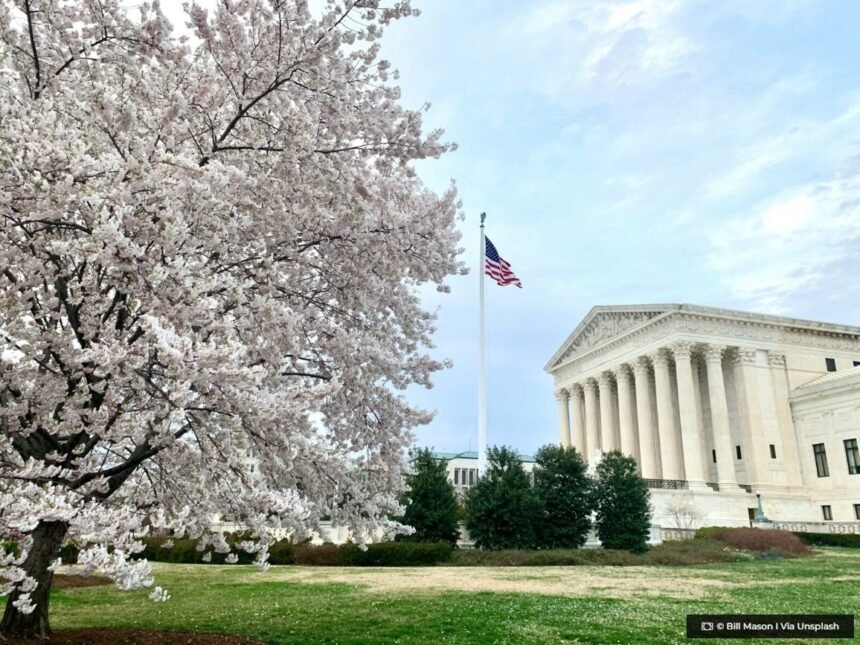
pixel 745 332
pixel 745 356
pixel 604 327
pixel 775 359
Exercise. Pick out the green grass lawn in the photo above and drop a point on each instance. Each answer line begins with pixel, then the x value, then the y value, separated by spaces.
pixel 556 604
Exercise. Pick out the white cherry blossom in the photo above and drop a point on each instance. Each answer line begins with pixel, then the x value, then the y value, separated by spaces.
pixel 206 250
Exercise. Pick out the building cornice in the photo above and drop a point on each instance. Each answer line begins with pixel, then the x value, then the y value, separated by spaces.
pixel 747 328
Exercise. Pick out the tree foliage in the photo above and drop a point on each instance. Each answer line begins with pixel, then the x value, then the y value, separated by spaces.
pixel 430 501
pixel 502 511
pixel 563 489
pixel 209 247
pixel 622 504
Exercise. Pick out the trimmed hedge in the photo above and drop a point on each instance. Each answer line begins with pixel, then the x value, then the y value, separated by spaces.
pixel 384 554
pixel 68 552
pixel 849 540
pixel 184 551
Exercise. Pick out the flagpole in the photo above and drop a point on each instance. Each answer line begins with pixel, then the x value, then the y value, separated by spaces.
pixel 482 376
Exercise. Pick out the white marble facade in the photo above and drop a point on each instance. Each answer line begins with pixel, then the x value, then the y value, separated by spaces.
pixel 709 402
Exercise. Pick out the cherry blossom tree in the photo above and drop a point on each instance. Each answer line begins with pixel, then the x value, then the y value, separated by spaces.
pixel 211 247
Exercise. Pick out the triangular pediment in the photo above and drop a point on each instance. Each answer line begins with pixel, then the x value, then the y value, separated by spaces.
pixel 602 324
pixel 605 323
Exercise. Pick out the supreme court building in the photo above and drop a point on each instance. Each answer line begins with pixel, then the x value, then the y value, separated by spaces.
pixel 716 406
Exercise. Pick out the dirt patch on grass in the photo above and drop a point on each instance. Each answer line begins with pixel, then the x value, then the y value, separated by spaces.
pixel 63 581
pixel 626 582
pixel 132 637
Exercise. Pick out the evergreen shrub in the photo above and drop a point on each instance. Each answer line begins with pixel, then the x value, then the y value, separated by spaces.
pixel 430 502
pixel 622 504
pixel 563 489
pixel 502 510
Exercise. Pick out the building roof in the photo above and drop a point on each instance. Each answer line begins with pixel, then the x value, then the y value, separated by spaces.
pixel 471 454
pixel 830 377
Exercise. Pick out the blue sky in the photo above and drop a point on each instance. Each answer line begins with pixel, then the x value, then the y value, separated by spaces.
pixel 632 152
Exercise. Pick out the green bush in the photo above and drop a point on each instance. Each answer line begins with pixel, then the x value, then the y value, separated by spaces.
pixel 10 546
pixel 709 531
pixel 326 555
pixel 407 554
pixel 384 554
pixel 563 488
pixel 282 552
pixel 431 505
pixel 621 500
pixel 69 553
pixel 849 540
pixel 184 551
pixel 502 510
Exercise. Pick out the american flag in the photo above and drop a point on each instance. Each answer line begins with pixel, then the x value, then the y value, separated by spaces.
pixel 498 268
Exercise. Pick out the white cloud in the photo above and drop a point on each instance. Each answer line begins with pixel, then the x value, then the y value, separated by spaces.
pixel 790 244
pixel 799 140
pixel 607 43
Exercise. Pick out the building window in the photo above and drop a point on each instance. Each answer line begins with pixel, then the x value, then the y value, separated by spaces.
pixel 472 473
pixel 772 451
pixel 456 477
pixel 738 451
pixel 831 364
pixel 820 460
pixel 828 514
pixel 853 456
pixel 857 511
pixel 714 455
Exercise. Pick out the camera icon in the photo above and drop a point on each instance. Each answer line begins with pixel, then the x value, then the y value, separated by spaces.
pixel 707 627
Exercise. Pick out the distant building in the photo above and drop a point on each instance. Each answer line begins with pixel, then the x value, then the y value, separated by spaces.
pixel 718 405
pixel 463 468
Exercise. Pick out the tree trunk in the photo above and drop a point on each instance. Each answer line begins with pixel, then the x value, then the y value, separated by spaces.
pixel 47 539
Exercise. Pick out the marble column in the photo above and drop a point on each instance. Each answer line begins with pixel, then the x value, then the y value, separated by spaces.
pixel 592 430
pixel 670 445
pixel 788 439
pixel 626 412
pixel 578 420
pixel 691 442
pixel 647 437
pixel 607 413
pixel 726 477
pixel 753 451
pixel 563 399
